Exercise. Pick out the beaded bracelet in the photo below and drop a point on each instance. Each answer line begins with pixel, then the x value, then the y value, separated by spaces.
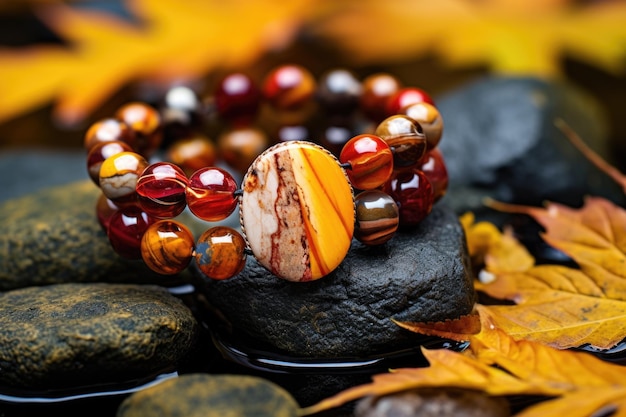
pixel 297 205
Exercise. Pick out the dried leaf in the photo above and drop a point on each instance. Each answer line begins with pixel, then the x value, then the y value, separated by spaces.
pixel 457 329
pixel 499 365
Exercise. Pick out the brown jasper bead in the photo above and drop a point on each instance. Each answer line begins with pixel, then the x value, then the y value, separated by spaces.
pixel 109 130
pixel 406 139
pixel 240 146
pixel 377 217
pixel 289 87
pixel 145 121
pixel 429 119
pixel 377 89
pixel 167 247
pixel 192 153
pixel 220 253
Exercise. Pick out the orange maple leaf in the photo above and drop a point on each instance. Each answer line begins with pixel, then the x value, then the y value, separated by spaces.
pixel 557 305
pixel 509 36
pixel 174 41
pixel 499 365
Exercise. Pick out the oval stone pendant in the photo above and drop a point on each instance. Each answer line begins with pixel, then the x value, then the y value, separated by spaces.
pixel 297 211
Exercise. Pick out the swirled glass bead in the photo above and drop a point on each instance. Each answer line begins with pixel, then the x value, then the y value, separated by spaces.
pixel 370 159
pixel 377 217
pixel 167 247
pixel 413 193
pixel 210 194
pixel 406 139
pixel 161 190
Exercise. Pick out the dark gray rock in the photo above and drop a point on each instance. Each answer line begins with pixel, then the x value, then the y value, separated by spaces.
pixel 204 395
pixel 69 335
pixel 500 141
pixel 428 402
pixel 420 275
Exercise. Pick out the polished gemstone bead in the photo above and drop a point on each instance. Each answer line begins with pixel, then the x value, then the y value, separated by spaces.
pixel 377 90
pixel 429 119
pixel 413 193
pixel 109 130
pixel 101 151
pixel 335 136
pixel 181 113
pixel 338 91
pixel 161 190
pixel 289 87
pixel 119 174
pixel 434 167
pixel 370 159
pixel 167 247
pixel 126 229
pixel 211 194
pixel 105 209
pixel 145 121
pixel 220 253
pixel 406 96
pixel 297 211
pixel 237 98
pixel 239 146
pixel 377 217
pixel 192 153
pixel 406 139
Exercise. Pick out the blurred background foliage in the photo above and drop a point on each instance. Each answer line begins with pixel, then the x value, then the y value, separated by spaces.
pixel 65 64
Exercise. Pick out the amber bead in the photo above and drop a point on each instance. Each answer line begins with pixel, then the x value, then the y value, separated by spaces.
pixel 413 193
pixel 289 87
pixel 105 209
pixel 406 139
pixel 339 91
pixel 119 174
pixel 220 253
pixel 210 194
pixel 370 159
pixel 237 98
pixel 161 190
pixel 429 119
pixel 145 121
pixel 99 153
pixel 434 167
pixel 192 153
pixel 239 146
pixel 109 130
pixel 405 97
pixel 126 229
pixel 377 217
pixel 377 90
pixel 167 247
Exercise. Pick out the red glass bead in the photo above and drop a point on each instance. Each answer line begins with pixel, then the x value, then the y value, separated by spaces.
pixel 101 151
pixel 429 119
pixel 377 217
pixel 289 87
pixel 220 253
pixel 118 177
pixel 338 91
pixel 192 153
pixel 370 159
pixel 406 96
pixel 413 193
pixel 126 230
pixel 210 194
pixel 105 209
pixel 434 167
pixel 161 190
pixel 240 146
pixel 145 121
pixel 406 139
pixel 237 98
pixel 167 247
pixel 109 130
pixel 377 90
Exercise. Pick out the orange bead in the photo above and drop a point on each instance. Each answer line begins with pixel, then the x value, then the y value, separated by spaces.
pixel 240 146
pixel 145 121
pixel 429 119
pixel 167 247
pixel 192 153
pixel 289 87
pixel 220 252
pixel 377 89
pixel 109 130
pixel 370 159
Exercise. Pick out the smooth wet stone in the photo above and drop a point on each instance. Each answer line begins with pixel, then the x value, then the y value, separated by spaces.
pixel 72 335
pixel 419 275
pixel 53 236
pixel 204 395
pixel 428 402
pixel 500 141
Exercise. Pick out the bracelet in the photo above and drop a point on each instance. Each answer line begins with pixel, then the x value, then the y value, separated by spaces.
pixel 297 205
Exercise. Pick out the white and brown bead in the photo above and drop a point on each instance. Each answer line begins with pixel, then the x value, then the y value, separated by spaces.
pixel 119 174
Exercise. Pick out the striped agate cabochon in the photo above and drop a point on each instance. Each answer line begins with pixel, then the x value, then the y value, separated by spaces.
pixel 297 211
